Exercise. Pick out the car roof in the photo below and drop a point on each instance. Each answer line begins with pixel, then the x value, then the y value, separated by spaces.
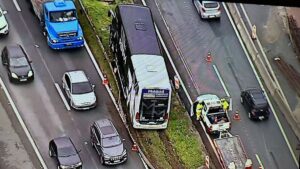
pixel 77 76
pixel 257 96
pixel 15 50
pixel 64 141
pixel 106 127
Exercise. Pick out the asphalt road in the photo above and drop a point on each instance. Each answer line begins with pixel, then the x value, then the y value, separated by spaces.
pixel 194 38
pixel 273 33
pixel 39 103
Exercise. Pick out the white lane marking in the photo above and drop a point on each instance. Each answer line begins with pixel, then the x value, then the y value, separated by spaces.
pixel 221 80
pixel 259 161
pixel 230 104
pixel 17 5
pixel 62 96
pixel 34 146
pixel 261 85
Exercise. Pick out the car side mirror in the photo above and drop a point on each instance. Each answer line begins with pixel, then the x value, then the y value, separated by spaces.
pixel 78 151
pixel 30 61
pixel 4 12
pixel 98 144
pixel 93 86
pixel 110 13
pixel 123 139
pixel 67 89
pixel 5 63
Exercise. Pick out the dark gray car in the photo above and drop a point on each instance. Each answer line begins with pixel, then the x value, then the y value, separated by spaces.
pixel 17 63
pixel 65 153
pixel 107 142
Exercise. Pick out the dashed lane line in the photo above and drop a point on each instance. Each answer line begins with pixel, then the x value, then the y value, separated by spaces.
pixel 221 80
pixel 259 161
pixel 62 96
pixel 17 5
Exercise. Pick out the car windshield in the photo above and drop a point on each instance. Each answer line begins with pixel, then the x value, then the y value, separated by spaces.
pixel 210 5
pixel 111 141
pixel 66 151
pixel 81 88
pixel 63 16
pixel 18 62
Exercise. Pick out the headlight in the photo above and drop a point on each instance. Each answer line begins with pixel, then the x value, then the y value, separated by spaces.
pixel 14 75
pixel 80 38
pixel 54 41
pixel 30 73
pixel 64 167
pixel 124 153
pixel 79 164
pixel 106 156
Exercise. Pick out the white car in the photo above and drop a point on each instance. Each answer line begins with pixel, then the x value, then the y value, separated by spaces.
pixel 3 23
pixel 79 90
pixel 208 9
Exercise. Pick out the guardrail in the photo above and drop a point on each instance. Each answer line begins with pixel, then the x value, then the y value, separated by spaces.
pixel 118 104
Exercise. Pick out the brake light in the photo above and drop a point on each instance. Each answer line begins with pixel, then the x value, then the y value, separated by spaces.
pixel 209 129
pixel 166 116
pixel 203 9
pixel 137 116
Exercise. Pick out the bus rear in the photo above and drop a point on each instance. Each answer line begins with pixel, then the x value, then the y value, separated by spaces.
pixel 152 112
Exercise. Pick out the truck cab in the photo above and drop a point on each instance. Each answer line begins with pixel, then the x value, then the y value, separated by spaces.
pixel 60 24
pixel 213 116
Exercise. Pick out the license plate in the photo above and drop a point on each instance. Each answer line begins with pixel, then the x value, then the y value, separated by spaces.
pixel 116 161
pixel 261 117
pixel 211 16
pixel 69 44
pixel 23 80
pixel 220 125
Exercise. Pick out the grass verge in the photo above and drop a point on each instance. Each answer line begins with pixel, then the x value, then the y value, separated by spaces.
pixel 184 141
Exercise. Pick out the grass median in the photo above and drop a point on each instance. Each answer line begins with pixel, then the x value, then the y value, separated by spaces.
pixel 180 140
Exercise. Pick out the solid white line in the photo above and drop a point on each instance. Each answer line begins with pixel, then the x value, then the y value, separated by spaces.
pixel 221 80
pixel 230 104
pixel 261 85
pixel 259 161
pixel 22 123
pixel 17 5
pixel 62 96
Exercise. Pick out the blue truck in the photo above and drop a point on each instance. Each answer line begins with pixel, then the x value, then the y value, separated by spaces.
pixel 59 22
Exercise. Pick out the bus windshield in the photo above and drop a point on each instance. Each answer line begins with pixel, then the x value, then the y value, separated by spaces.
pixel 154 105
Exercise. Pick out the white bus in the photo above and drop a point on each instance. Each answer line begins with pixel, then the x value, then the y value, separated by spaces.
pixel 141 68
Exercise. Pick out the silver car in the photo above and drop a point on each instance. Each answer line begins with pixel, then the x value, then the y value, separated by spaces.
pixel 208 9
pixel 79 90
pixel 3 23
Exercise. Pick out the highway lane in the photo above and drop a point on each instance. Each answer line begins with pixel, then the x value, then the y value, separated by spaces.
pixel 194 38
pixel 272 31
pixel 39 103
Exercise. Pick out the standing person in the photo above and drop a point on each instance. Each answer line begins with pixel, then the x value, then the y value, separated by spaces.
pixel 199 110
pixel 225 105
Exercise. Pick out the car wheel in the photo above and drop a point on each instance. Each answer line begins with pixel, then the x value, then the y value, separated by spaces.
pixel 101 160
pixel 242 100
pixel 249 116
pixel 50 153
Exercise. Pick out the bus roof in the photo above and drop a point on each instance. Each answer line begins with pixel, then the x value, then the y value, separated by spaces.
pixel 151 71
pixel 139 29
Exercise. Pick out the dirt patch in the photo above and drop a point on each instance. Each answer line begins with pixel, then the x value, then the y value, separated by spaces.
pixel 173 158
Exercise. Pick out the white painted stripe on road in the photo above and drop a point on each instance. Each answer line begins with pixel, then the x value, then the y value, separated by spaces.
pixel 22 123
pixel 221 80
pixel 261 85
pixel 230 104
pixel 62 96
pixel 259 161
pixel 17 5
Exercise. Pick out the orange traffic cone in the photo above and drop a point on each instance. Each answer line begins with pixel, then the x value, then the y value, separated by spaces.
pixel 236 116
pixel 105 80
pixel 134 147
pixel 208 57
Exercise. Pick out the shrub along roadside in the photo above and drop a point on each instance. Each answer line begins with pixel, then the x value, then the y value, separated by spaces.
pixel 182 137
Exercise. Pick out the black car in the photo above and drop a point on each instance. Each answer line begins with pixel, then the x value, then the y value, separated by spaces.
pixel 255 103
pixel 107 142
pixel 65 153
pixel 17 63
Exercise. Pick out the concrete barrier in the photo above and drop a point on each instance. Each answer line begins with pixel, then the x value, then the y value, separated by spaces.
pixel 263 66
